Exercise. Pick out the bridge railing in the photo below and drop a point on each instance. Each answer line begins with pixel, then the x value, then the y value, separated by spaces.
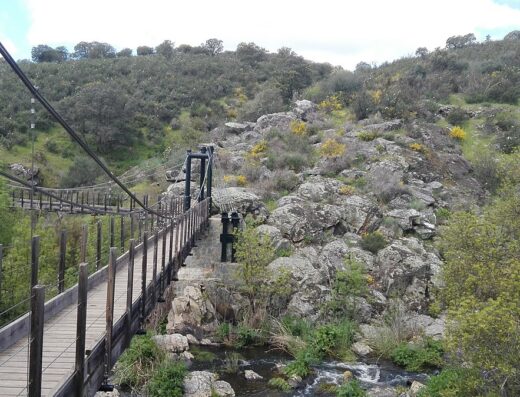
pixel 178 237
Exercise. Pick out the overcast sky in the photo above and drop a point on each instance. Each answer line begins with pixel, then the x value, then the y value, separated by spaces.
pixel 341 32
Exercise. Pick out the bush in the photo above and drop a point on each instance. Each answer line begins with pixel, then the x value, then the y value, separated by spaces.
pixel 416 358
pixel 457 116
pixel 331 148
pixel 367 136
pixel 417 147
pixel 458 133
pixel 453 382
pixel 330 103
pixel 168 380
pixel 373 242
pixel 280 384
pixel 351 389
pixel 298 127
pixel 138 363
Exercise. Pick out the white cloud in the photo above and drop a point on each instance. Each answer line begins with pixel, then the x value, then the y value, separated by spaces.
pixel 9 45
pixel 340 32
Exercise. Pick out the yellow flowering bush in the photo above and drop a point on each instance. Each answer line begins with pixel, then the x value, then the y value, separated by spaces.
pixel 258 150
pixel 346 190
pixel 331 148
pixel 330 104
pixel 458 133
pixel 237 180
pixel 298 127
pixel 417 147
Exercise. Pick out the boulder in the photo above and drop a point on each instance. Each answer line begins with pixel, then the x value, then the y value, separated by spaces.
pixel 237 128
pixel 305 110
pixel 275 236
pixel 280 121
pixel 223 389
pixel 406 269
pixel 347 376
pixel 432 327
pixel 175 343
pixel 415 388
pixel 199 384
pixel 239 199
pixel 361 349
pixel 298 220
pixel 294 381
pixel 300 269
pixel 381 391
pixel 252 375
pixel 385 126
pixel 191 313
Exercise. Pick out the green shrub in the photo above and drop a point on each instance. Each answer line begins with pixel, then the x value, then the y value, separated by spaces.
pixel 167 381
pixel 453 382
pixel 419 357
pixel 457 116
pixel 373 242
pixel 280 384
pixel 351 389
pixel 202 355
pixel 367 136
pixel 139 362
pixel 301 366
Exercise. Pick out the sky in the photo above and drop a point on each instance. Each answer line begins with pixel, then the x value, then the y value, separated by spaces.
pixel 340 32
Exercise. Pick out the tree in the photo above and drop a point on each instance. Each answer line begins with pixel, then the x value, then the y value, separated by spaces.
pixel 482 291
pixel 421 52
pixel 456 42
pixel 144 50
pixel 253 253
pixel 213 46
pixel 93 50
pixel 83 171
pixel 44 53
pixel 165 49
pixel 250 53
pixel 125 52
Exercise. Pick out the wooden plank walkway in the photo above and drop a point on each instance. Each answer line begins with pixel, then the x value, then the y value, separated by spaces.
pixel 59 342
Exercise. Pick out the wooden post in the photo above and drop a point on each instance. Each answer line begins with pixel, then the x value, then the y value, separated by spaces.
pixel 61 266
pixel 170 255
pixel 111 284
pixel 132 224
pixel 84 241
pixel 154 271
pixel 81 329
pixel 163 260
pixel 129 290
pixel 36 346
pixel 122 237
pixel 140 230
pixel 98 244
pixel 143 278
pixel 112 231
pixel 35 255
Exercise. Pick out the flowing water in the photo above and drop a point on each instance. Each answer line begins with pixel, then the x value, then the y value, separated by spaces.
pixel 266 362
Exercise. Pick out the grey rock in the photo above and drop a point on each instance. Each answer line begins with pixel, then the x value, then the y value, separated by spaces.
pixel 222 388
pixel 300 269
pixel 361 349
pixel 280 121
pixel 238 199
pixel 294 381
pixel 236 127
pixel 381 391
pixel 275 236
pixel 252 375
pixel 415 388
pixel 405 218
pixel 191 313
pixel 175 343
pixel 432 327
pixel 385 126
pixel 298 220
pixel 192 340
pixel 305 109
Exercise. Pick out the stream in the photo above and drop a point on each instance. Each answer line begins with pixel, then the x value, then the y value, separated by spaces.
pixel 264 362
